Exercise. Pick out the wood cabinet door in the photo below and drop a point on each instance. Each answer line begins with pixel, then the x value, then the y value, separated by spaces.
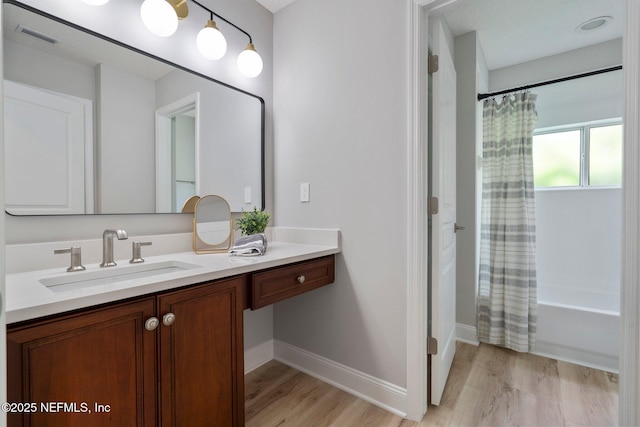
pixel 201 356
pixel 96 368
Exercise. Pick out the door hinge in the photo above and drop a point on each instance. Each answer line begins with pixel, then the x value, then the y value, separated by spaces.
pixel 433 205
pixel 432 65
pixel 432 346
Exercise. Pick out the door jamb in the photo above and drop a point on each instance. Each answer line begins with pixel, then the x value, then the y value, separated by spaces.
pixel 417 242
pixel 629 390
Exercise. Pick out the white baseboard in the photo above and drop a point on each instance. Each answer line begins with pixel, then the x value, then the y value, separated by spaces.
pixel 257 356
pixel 467 334
pixel 381 393
pixel 582 357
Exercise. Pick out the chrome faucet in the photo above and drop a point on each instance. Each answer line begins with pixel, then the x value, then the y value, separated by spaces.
pixel 107 246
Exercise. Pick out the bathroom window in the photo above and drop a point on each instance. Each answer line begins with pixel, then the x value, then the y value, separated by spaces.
pixel 586 155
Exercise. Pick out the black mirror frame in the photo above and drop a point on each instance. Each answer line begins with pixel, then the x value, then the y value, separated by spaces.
pixel 180 67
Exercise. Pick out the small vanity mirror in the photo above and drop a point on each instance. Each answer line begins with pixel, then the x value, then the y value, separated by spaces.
pixel 212 225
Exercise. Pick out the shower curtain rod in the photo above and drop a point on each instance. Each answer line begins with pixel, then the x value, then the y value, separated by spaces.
pixel 482 96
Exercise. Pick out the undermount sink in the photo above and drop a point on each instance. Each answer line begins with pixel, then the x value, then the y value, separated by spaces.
pixel 111 275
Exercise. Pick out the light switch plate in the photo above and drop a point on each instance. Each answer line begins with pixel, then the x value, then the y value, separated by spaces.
pixel 304 192
pixel 247 194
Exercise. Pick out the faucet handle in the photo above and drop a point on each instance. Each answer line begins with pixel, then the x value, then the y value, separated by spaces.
pixel 76 257
pixel 136 256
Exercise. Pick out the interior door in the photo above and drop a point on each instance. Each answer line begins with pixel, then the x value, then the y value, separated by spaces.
pixel 44 128
pixel 443 241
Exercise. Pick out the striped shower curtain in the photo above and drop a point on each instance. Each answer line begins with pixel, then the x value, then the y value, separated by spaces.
pixel 507 302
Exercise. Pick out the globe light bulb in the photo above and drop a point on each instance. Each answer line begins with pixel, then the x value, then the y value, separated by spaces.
pixel 250 62
pixel 159 17
pixel 211 42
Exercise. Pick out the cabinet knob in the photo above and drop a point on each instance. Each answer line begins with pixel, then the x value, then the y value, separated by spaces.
pixel 301 279
pixel 151 323
pixel 168 319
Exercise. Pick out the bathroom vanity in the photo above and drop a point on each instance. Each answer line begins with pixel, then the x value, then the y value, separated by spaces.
pixel 159 342
pixel 162 350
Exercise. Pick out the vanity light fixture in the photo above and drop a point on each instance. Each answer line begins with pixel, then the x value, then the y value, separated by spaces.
pixel 161 18
pixel 250 62
pixel 211 42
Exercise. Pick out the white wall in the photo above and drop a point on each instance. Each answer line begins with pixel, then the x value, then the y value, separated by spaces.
pixel 125 141
pixel 341 79
pixel 581 100
pixel 602 55
pixel 41 69
pixel 121 21
pixel 579 239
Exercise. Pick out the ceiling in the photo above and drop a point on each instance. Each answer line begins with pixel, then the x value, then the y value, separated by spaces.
pixel 76 45
pixel 275 5
pixel 516 31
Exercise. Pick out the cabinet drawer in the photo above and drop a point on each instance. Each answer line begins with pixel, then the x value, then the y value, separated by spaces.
pixel 285 282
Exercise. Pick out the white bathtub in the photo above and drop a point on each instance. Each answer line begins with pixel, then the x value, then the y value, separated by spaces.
pixel 579 326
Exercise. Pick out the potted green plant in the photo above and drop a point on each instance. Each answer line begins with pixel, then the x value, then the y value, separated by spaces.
pixel 253 222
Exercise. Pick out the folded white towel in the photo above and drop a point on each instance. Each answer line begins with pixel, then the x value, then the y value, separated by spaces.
pixel 253 245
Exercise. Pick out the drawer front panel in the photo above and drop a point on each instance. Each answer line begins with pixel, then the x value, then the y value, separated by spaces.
pixel 285 282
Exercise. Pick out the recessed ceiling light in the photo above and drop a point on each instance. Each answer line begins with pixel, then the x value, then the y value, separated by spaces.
pixel 593 24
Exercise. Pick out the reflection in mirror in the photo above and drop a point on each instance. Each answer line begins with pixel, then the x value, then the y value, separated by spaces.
pixel 212 225
pixel 93 126
pixel 190 205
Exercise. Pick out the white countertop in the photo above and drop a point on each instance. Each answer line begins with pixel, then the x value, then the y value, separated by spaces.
pixel 27 298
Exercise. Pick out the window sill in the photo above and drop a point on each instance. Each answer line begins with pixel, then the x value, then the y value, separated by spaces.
pixel 578 188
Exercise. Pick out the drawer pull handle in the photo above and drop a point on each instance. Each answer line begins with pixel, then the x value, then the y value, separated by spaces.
pixel 151 323
pixel 301 279
pixel 168 319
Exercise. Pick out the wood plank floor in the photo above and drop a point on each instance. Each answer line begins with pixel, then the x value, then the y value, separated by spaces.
pixel 488 386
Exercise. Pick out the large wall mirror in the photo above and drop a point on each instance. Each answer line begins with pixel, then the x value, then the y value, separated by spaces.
pixel 96 127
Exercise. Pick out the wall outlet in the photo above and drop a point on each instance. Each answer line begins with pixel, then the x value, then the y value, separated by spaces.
pixel 304 192
pixel 247 194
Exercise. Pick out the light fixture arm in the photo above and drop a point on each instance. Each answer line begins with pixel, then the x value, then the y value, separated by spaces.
pixel 223 19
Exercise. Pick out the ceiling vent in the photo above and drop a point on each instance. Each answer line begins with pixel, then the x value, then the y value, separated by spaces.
pixel 37 34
